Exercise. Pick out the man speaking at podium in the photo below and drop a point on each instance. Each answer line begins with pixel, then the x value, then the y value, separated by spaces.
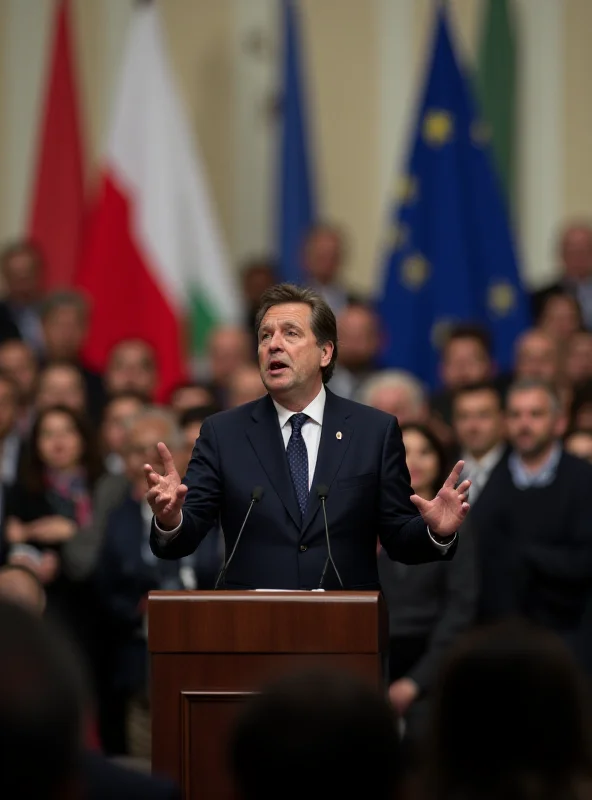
pixel 302 481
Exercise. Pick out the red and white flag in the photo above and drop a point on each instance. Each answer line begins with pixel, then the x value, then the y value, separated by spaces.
pixel 153 262
pixel 57 200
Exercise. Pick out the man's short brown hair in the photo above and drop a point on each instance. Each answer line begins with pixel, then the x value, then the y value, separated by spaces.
pixel 322 323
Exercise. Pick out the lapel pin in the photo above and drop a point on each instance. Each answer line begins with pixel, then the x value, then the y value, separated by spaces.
pixel 338 435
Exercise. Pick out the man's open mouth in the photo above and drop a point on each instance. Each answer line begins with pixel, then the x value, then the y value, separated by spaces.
pixel 276 367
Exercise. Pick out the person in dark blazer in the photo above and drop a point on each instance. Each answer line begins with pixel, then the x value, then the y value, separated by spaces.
pixel 288 450
pixel 429 605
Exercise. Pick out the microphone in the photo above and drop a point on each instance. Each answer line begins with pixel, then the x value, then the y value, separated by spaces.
pixel 256 495
pixel 322 492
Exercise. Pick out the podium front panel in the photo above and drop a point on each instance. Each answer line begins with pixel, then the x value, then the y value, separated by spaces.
pixel 196 695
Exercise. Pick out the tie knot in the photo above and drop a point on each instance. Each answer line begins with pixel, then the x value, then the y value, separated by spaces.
pixel 297 421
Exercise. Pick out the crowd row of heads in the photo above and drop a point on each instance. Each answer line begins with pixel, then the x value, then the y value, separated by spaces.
pixel 510 717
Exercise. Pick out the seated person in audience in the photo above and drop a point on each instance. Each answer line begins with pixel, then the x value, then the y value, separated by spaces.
pixel 190 424
pixel 537 356
pixel 575 257
pixel 257 275
pixel 581 408
pixel 21 266
pixel 10 438
pixel 19 584
pixel 127 570
pixel 118 412
pixel 19 362
pixel 429 604
pixel 323 255
pixel 132 367
pixel 229 348
pixel 47 509
pixel 44 704
pixel 479 426
pixel 211 549
pixel 190 395
pixel 64 319
pixel 579 443
pixel 61 385
pixel 511 690
pixel 466 359
pixel 245 386
pixel 533 523
pixel 578 358
pixel 358 332
pixel 398 393
pixel 316 735
pixel 560 316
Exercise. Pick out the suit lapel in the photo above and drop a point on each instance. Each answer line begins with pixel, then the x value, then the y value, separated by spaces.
pixel 267 442
pixel 335 439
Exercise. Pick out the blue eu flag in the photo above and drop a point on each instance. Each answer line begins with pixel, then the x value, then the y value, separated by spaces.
pixel 296 196
pixel 450 252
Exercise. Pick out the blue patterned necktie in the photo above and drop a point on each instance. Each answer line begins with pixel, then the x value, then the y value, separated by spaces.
pixel 298 460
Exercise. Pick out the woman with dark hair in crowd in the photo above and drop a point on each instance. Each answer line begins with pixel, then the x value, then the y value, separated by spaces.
pixel 50 504
pixel 429 604
pixel 510 720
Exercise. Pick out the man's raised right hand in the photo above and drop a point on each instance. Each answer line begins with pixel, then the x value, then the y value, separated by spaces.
pixel 165 493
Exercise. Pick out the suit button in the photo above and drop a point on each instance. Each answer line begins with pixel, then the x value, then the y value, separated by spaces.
pixel 303 548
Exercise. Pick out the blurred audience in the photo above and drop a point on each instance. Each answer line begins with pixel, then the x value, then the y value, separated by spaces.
pixel 132 368
pixel 314 736
pixel 429 605
pixel 61 384
pixel 537 357
pixel 126 570
pixel 466 359
pixel 323 256
pixel 478 422
pixel 560 316
pixel 578 358
pixel 44 702
pixel 20 585
pixel 245 385
pixel 229 348
pixel 575 255
pixel 190 395
pixel 21 265
pixel 398 393
pixel 47 510
pixel 10 439
pixel 511 719
pixel 18 361
pixel 40 717
pixel 579 443
pixel 211 549
pixel 257 275
pixel 359 344
pixel 534 524
pixel 64 317
pixel 580 417
pixel 118 413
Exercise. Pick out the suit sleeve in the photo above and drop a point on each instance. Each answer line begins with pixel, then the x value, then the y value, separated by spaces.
pixel 402 531
pixel 202 503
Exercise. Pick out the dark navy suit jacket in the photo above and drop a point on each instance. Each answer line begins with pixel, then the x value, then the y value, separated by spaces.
pixel 361 459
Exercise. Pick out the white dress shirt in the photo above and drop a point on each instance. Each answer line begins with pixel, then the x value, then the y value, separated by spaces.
pixel 311 430
pixel 311 433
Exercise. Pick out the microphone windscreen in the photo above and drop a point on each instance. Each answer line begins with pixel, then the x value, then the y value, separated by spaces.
pixel 257 493
pixel 322 491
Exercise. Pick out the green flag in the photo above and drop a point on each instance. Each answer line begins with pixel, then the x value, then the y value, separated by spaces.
pixel 496 85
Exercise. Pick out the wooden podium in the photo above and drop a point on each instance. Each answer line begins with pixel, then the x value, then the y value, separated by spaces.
pixel 210 650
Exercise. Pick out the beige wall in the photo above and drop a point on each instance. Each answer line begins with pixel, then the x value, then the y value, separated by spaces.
pixel 365 59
